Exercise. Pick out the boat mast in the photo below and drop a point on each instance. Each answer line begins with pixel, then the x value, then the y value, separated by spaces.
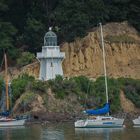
pixel 6 83
pixel 104 61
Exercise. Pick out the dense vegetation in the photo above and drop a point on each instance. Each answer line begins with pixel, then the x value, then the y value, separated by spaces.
pixel 131 88
pixel 23 23
pixel 91 94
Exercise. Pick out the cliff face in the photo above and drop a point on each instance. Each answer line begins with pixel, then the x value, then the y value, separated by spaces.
pixel 122 47
pixel 84 56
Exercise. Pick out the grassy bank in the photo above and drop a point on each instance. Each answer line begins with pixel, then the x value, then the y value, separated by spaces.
pixel 89 93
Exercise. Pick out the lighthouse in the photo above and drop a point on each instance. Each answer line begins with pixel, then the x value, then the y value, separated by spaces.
pixel 50 58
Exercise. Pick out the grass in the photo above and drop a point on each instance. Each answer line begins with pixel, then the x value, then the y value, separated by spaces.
pixel 120 39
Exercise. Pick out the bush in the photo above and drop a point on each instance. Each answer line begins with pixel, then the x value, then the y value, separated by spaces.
pixel 131 89
pixel 27 97
pixel 91 93
pixel 84 84
pixel 63 87
pixel 25 58
pixel 19 85
pixel 39 86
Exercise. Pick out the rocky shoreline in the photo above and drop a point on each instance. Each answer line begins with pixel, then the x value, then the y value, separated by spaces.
pixel 44 118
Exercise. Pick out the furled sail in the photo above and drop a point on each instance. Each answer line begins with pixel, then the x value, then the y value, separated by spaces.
pixel 100 111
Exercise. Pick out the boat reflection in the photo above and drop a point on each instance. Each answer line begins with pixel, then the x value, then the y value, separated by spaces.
pixel 98 133
pixel 12 127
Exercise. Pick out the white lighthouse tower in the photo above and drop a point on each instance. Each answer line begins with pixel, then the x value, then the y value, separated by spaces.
pixel 50 57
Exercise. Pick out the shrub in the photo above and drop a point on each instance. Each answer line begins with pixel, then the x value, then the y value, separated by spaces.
pixel 85 85
pixel 27 97
pixel 131 89
pixel 63 87
pixel 25 58
pixel 39 86
pixel 19 85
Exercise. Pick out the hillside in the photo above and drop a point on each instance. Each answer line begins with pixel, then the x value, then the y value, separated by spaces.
pixel 122 44
pixel 84 55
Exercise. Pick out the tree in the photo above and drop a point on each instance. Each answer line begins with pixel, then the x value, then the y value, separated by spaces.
pixel 134 13
pixel 8 31
pixel 33 34
pixel 25 58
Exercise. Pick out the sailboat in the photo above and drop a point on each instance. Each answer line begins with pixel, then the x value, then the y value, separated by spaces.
pixel 5 117
pixel 136 122
pixel 97 118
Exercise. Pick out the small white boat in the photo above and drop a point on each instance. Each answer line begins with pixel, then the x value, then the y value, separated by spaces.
pixel 136 122
pixel 4 122
pixel 100 122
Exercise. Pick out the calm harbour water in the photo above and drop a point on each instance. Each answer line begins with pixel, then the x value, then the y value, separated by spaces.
pixel 66 131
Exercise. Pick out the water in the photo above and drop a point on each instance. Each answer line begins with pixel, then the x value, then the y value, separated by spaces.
pixel 66 131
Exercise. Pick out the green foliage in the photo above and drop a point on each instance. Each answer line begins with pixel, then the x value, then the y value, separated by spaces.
pixel 63 87
pixel 74 17
pixel 113 93
pixel 91 93
pixel 120 39
pixel 131 89
pixel 84 84
pixel 39 86
pixel 19 85
pixel 25 58
pixel 33 31
pixel 134 9
pixel 27 97
pixel 7 32
pixel 1 84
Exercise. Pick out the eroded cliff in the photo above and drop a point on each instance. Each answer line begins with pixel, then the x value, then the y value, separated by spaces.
pixel 122 47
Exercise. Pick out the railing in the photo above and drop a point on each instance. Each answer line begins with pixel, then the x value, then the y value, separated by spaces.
pixel 50 55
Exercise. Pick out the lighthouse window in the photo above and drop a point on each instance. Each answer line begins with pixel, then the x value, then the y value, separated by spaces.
pixel 51 64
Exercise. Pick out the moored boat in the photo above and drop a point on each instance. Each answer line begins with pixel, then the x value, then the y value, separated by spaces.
pixel 4 122
pixel 6 118
pixel 136 122
pixel 101 120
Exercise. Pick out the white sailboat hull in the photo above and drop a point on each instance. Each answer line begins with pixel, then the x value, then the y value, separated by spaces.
pixel 136 122
pixel 100 122
pixel 12 123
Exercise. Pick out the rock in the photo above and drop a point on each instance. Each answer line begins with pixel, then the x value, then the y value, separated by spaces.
pixel 34 105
